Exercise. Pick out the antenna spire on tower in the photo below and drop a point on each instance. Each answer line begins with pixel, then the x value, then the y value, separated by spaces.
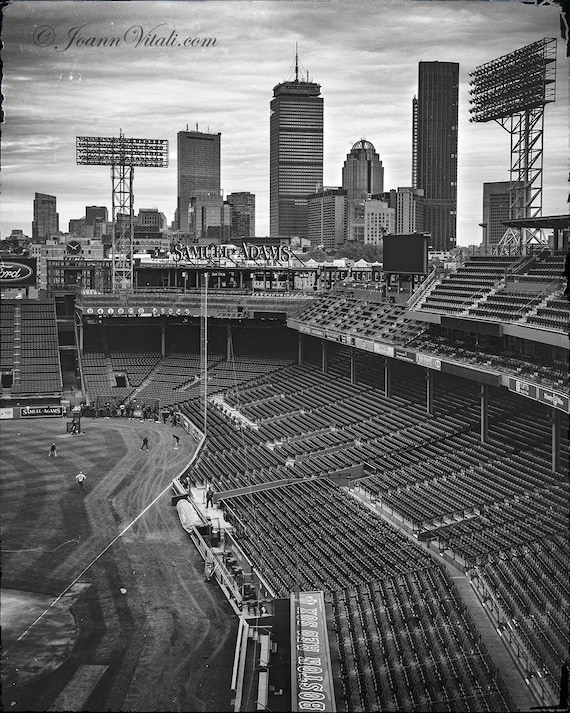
pixel 296 62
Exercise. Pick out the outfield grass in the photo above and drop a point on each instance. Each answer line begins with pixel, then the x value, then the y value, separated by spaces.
pixel 140 607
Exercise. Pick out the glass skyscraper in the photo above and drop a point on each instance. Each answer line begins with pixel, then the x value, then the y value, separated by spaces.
pixel 434 162
pixel 46 218
pixel 243 214
pixel 362 177
pixel 362 173
pixel 198 169
pixel 296 154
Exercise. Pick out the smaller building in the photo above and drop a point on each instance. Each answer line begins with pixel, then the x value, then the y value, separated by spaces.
pixel 327 218
pixel 151 218
pixel 409 207
pixel 242 214
pixel 209 218
pixel 496 209
pixel 379 220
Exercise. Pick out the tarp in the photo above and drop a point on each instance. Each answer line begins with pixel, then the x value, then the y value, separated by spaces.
pixel 188 515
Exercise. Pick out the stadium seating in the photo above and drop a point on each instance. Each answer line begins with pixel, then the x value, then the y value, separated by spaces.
pixel 499 288
pixel 30 347
pixel 406 644
pixel 539 367
pixel 468 498
pixel 394 611
pixel 494 509
pixel 358 318
pixel 7 336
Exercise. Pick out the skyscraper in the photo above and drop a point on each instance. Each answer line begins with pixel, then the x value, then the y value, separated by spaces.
pixel 243 214
pixel 46 219
pixel 434 145
pixel 362 173
pixel 296 153
pixel 496 202
pixel 362 176
pixel 198 170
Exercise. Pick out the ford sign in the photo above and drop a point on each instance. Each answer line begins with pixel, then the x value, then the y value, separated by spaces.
pixel 21 272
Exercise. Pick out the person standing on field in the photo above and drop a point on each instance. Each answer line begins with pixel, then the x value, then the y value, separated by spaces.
pixel 52 451
pixel 81 478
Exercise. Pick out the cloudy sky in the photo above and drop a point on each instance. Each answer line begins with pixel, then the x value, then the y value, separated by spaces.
pixel 364 53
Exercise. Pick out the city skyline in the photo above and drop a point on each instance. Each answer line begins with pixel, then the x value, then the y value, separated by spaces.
pixel 364 55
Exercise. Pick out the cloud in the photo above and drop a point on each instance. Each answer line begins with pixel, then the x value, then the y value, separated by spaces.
pixel 364 54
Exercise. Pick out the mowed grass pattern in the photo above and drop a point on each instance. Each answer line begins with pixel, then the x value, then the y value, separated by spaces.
pixel 143 608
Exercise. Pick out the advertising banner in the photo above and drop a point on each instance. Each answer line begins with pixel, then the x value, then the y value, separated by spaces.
pixel 365 344
pixel 430 361
pixel 384 349
pixel 35 411
pixel 16 271
pixel 311 680
pixel 6 413
pixel 551 398
pixel 405 355
pixel 523 388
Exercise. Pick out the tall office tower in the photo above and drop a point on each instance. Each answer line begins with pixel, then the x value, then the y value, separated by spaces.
pixel 326 219
pixel 46 219
pixel 362 176
pixel 496 202
pixel 295 153
pixel 243 214
pixel 434 140
pixel 362 173
pixel 198 169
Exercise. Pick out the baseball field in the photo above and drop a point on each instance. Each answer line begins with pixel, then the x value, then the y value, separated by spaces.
pixel 105 606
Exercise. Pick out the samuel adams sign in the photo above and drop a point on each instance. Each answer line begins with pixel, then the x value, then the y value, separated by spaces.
pixel 16 271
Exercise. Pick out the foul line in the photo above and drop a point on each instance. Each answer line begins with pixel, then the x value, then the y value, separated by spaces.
pixel 69 586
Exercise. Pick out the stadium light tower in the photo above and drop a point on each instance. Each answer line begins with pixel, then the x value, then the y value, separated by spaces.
pixel 513 91
pixel 122 155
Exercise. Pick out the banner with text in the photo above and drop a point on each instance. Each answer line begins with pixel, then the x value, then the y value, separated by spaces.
pixel 312 686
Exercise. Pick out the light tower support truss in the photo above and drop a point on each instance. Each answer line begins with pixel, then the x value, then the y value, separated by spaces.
pixel 122 155
pixel 513 91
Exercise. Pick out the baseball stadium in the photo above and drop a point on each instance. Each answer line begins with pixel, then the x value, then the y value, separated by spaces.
pixel 352 495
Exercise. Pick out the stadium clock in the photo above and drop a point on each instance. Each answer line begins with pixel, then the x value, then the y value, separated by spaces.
pixel 73 247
